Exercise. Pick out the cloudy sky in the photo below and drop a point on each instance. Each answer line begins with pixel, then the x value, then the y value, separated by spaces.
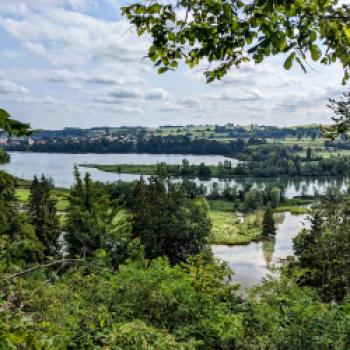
pixel 79 63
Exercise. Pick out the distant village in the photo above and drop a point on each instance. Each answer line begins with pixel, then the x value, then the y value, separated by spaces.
pixel 74 135
pixel 135 134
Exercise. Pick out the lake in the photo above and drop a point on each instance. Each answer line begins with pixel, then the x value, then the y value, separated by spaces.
pixel 59 166
pixel 255 261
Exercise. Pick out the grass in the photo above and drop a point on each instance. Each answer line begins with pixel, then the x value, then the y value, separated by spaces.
pixel 126 168
pixel 229 229
pixel 59 195
pixel 22 194
pixel 293 209
pixel 220 205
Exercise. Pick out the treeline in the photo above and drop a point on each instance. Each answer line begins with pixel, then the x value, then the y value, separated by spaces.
pixel 156 145
pixel 272 132
pixel 140 274
pixel 271 167
pixel 345 144
pixel 243 199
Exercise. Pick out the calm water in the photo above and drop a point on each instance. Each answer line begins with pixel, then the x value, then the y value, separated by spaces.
pixel 59 167
pixel 251 263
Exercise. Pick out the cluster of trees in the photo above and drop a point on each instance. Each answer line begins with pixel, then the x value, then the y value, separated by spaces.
pixel 265 161
pixel 248 198
pixel 271 132
pixel 26 238
pixel 244 198
pixel 334 166
pixel 323 251
pixel 339 145
pixel 137 273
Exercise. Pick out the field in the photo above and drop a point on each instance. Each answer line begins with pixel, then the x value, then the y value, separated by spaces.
pixel 59 195
pixel 230 229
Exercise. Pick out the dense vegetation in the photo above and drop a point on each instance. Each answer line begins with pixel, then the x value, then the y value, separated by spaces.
pixel 263 162
pixel 104 286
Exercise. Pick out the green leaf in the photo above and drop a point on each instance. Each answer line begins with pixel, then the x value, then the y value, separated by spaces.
pixel 289 61
pixel 315 52
pixel 162 70
pixel 11 126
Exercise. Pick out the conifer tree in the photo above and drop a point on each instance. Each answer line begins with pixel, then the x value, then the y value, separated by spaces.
pixel 167 222
pixel 88 217
pixel 43 215
pixel 268 225
pixel 309 154
pixel 18 241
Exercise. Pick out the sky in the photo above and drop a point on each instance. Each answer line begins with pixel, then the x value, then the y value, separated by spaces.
pixel 79 63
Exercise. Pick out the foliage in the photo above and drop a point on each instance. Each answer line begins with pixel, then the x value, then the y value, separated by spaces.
pixel 341 119
pixel 18 241
pixel 167 222
pixel 89 217
pixel 43 215
pixel 11 126
pixel 227 34
pixel 116 299
pixel 156 307
pixel 323 250
pixel 281 315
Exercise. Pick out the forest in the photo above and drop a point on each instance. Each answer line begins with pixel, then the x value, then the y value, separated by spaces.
pixel 133 269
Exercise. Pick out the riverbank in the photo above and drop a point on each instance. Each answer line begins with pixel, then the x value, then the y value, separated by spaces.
pixel 232 228
pixel 334 167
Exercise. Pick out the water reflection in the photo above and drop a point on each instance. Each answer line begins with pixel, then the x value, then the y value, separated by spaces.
pixel 251 263
pixel 59 167
pixel 268 248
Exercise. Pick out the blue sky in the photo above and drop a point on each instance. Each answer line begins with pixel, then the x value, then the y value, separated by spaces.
pixel 77 63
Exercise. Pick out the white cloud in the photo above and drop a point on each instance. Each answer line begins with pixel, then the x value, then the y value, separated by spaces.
pixel 9 87
pixel 66 38
pixel 87 70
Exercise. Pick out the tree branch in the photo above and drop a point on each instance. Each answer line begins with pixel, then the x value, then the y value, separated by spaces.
pixel 52 263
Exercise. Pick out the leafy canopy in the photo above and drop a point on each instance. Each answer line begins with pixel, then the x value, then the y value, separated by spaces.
pixel 227 33
pixel 11 126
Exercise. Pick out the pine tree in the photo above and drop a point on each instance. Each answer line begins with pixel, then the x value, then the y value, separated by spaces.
pixel 88 217
pixel 167 222
pixel 43 215
pixel 268 225
pixel 309 154
pixel 19 244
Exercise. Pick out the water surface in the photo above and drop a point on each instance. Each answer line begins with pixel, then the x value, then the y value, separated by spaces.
pixel 255 261
pixel 59 166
